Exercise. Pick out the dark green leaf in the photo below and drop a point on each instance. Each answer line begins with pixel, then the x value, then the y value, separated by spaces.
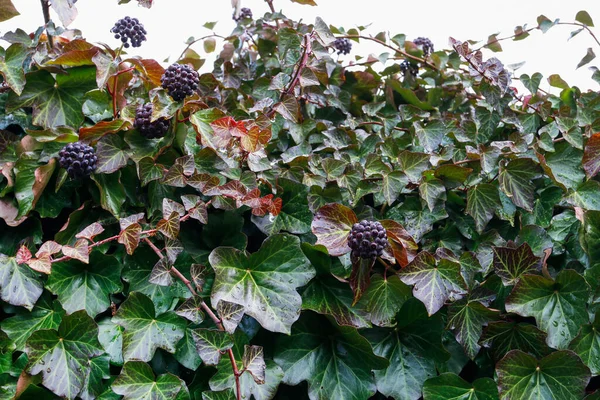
pixel 449 386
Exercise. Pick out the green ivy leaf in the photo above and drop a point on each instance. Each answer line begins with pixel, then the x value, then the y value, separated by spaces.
pixel 112 192
pixel 515 181
pixel 449 386
pixel 335 361
pixel 434 282
pixel 466 318
pixel 137 381
pixel 110 336
pixel 483 201
pixel 559 306
pixel 587 346
pixel 111 154
pixel 560 375
pixel 7 10
pixel 503 337
pixel 19 284
pixel 86 287
pixel 384 298
pixel 55 102
pixel 264 282
pixel 211 343
pixel 11 64
pixel 62 356
pixel 413 348
pixel 93 384
pixel 144 330
pixel 46 314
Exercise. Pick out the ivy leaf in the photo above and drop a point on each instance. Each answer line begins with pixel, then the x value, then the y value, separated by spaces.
pixel 98 371
pixel 187 353
pixel 515 181
pixel 161 273
pixel 169 226
pixel 335 361
pixel 112 191
pixel 384 298
pixel 510 263
pixel 55 102
pixel 294 217
pixel 210 344
pixel 403 246
pixel 227 394
pixel 583 17
pixel 450 386
pixel 191 310
pixel 591 156
pixel 111 155
pixel 565 165
pixel 230 314
pixel 224 378
pixel 288 108
pixel 559 306
pixel 89 232
pixel 434 282
pixel 45 315
pixel 86 287
pixel 137 381
pixel 11 63
pixel 254 363
pixel 503 337
pixel 466 318
pixel 130 237
pixel 110 336
pixel 433 192
pixel 19 285
pixel 413 164
pixel 144 330
pixel 62 356
pixel 332 225
pixel 7 10
pixel 79 251
pixel 587 346
pixel 560 375
pixel 482 201
pixel 264 282
pixel 413 348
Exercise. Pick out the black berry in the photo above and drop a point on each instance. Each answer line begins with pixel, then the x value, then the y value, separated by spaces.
pixel 143 123
pixel 180 81
pixel 425 44
pixel 407 68
pixel 245 13
pixel 343 46
pixel 129 30
pixel 78 159
pixel 368 239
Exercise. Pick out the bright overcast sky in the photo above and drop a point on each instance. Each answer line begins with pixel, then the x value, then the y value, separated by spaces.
pixel 170 22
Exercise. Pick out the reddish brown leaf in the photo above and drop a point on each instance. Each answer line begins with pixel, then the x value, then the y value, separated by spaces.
pixel 95 132
pixel 175 176
pixel 132 219
pixel 187 163
pixel 23 255
pixel 80 251
pixel 360 278
pixel 150 70
pixel 205 184
pixel 170 226
pixel 234 189
pixel 169 206
pixel 255 139
pixel 331 225
pixel 50 248
pixel 90 232
pixel 76 53
pixel 402 245
pixel 591 156
pixel 226 128
pixel 41 264
pixel 130 237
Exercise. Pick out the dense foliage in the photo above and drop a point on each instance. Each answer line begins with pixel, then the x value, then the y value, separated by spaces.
pixel 199 249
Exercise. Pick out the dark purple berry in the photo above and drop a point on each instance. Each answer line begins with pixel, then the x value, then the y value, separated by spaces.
pixel 180 81
pixel 245 13
pixel 425 44
pixel 144 124
pixel 343 46
pixel 368 239
pixel 127 30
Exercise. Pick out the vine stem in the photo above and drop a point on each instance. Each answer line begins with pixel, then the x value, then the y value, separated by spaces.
pixel 196 41
pixel 395 49
pixel 271 6
pixel 114 93
pixel 206 309
pixel 303 62
pixel 46 11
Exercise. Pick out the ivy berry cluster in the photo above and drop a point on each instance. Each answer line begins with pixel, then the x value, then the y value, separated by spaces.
pixel 144 124
pixel 180 81
pixel 129 30
pixel 342 45
pixel 368 239
pixel 78 159
pixel 245 13
pixel 425 44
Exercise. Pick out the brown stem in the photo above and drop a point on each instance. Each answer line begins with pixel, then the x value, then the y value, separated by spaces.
pixel 46 11
pixel 587 28
pixel 303 61
pixel 271 7
pixel 114 93
pixel 196 41
pixel 507 37
pixel 206 309
pixel 395 49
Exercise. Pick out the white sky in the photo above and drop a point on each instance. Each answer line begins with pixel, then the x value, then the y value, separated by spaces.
pixel 170 22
